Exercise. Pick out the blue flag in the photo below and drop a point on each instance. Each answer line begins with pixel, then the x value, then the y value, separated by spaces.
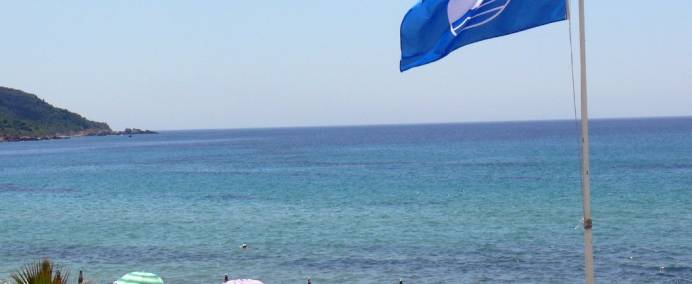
pixel 434 28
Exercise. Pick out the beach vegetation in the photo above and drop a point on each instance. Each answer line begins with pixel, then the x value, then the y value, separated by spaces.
pixel 41 272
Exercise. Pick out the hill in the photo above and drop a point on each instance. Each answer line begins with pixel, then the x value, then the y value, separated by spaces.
pixel 25 116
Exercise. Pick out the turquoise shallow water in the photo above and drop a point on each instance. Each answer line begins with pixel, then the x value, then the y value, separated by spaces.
pixel 449 203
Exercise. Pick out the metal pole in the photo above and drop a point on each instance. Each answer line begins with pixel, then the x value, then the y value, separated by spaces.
pixel 586 175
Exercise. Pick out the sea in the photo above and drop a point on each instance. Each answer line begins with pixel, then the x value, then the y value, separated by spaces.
pixel 493 202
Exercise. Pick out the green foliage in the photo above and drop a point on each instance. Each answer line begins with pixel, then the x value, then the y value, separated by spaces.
pixel 24 114
pixel 40 272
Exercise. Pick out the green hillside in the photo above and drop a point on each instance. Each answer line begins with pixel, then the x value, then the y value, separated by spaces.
pixel 26 115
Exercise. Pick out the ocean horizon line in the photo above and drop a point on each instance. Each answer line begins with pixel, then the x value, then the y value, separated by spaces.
pixel 591 119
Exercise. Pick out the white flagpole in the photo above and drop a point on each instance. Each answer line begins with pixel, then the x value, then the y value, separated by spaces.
pixel 586 174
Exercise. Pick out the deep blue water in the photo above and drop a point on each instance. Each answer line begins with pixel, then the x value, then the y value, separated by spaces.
pixel 447 203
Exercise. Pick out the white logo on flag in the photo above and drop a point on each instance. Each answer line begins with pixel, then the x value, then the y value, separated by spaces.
pixel 468 14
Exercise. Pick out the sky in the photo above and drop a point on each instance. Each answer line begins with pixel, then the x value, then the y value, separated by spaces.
pixel 170 64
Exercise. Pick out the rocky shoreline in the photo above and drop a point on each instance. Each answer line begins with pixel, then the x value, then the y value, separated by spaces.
pixel 127 131
pixel 26 117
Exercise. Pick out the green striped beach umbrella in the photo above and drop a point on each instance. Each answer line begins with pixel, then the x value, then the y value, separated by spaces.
pixel 139 278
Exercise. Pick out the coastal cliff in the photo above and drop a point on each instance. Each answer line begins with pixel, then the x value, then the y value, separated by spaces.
pixel 25 116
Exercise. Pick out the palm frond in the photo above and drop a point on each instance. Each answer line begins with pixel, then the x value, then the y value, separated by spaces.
pixel 41 272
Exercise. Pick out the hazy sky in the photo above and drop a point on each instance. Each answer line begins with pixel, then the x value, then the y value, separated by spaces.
pixel 229 64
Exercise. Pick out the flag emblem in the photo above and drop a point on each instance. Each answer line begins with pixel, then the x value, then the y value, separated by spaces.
pixel 468 14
